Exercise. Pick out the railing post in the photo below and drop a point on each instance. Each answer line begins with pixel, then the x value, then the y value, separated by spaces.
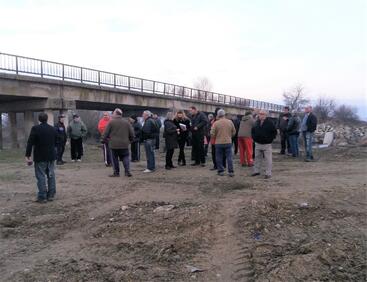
pixel 164 89
pixel 183 91
pixel 153 87
pixel 128 82
pixel 63 71
pixel 81 75
pixel 190 93
pixel 114 80
pixel 41 68
pixel 174 90
pixel 99 78
pixel 142 85
pixel 16 64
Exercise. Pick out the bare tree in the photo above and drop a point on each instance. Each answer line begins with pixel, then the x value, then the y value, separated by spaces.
pixel 295 98
pixel 203 83
pixel 324 108
pixel 346 113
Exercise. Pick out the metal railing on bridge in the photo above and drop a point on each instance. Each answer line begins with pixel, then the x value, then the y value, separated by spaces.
pixel 46 69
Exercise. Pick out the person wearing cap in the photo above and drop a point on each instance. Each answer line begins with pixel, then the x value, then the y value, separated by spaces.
pixel 223 130
pixel 282 127
pixel 293 129
pixel 102 124
pixel 245 142
pixel 119 133
pixel 42 141
pixel 135 145
pixel 148 136
pixel 61 139
pixel 263 133
pixel 76 131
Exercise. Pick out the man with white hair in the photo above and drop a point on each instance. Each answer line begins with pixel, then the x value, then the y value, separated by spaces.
pixel 223 130
pixel 263 133
pixel 148 135
pixel 119 134
pixel 308 127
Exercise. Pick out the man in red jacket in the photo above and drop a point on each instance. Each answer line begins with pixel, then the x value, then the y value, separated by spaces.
pixel 102 124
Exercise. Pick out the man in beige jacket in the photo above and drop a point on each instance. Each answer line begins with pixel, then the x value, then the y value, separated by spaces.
pixel 223 130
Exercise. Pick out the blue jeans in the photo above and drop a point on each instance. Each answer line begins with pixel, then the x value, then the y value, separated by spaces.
pixel 149 146
pixel 293 140
pixel 224 150
pixel 308 139
pixel 43 171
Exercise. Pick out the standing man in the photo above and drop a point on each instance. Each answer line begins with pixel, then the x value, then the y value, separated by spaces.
pixel 76 131
pixel 42 139
pixel 119 133
pixel 170 135
pixel 223 131
pixel 207 133
pixel 102 124
pixel 236 123
pixel 61 139
pixel 183 125
pixel 293 133
pixel 245 142
pixel 199 123
pixel 282 125
pixel 148 136
pixel 308 127
pixel 263 133
pixel 159 125
pixel 135 145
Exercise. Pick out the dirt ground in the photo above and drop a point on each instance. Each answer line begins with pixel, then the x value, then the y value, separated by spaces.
pixel 307 223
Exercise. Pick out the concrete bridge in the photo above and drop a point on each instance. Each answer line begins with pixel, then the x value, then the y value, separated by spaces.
pixel 28 85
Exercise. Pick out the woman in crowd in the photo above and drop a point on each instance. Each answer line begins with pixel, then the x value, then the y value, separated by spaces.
pixel 183 125
pixel 170 134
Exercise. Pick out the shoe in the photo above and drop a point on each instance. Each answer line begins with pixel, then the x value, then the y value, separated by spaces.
pixel 79 160
pixel 148 171
pixel 108 165
pixel 73 161
pixel 243 165
pixel 183 164
pixel 281 153
pixel 307 160
pixel 59 163
pixel 203 165
pixel 128 174
pixel 50 199
pixel 213 168
pixel 267 176
pixel 231 174
pixel 250 165
pixel 172 166
pixel 195 164
pixel 114 175
pixel 220 173
pixel 168 167
pixel 41 201
pixel 255 174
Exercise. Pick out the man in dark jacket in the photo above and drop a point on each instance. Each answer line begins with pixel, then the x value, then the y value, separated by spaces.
pixel 61 139
pixel 159 125
pixel 148 136
pixel 293 133
pixel 282 125
pixel 263 133
pixel 199 124
pixel 42 140
pixel 119 133
pixel 236 122
pixel 308 127
pixel 170 135
pixel 135 145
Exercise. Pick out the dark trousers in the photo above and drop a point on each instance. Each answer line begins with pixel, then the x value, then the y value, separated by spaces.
pixel 235 144
pixel 107 154
pixel 60 149
pixel 253 150
pixel 181 156
pixel 76 148
pixel 214 158
pixel 198 152
pixel 169 155
pixel 135 151
pixel 157 142
pixel 284 141
pixel 120 155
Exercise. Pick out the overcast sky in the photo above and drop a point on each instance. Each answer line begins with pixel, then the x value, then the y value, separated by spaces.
pixel 248 48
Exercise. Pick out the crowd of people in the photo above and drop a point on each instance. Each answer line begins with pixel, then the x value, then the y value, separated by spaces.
pixel 251 135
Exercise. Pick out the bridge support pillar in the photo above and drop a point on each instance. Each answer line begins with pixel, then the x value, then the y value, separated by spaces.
pixel 1 131
pixel 28 123
pixel 50 114
pixel 13 129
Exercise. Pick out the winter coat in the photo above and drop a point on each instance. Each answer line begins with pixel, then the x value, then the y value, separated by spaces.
pixel 183 134
pixel 137 131
pixel 264 133
pixel 43 141
pixel 200 121
pixel 283 123
pixel 170 134
pixel 102 124
pixel 246 125
pixel 149 130
pixel 294 125
pixel 311 122
pixel 222 131
pixel 61 137
pixel 119 133
pixel 77 130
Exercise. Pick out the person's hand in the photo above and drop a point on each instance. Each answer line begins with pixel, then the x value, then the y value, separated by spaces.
pixel 195 128
pixel 28 159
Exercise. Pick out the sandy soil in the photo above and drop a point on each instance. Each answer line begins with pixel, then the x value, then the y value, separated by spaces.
pixel 229 229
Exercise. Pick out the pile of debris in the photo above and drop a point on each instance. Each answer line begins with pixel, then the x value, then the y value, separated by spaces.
pixel 343 134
